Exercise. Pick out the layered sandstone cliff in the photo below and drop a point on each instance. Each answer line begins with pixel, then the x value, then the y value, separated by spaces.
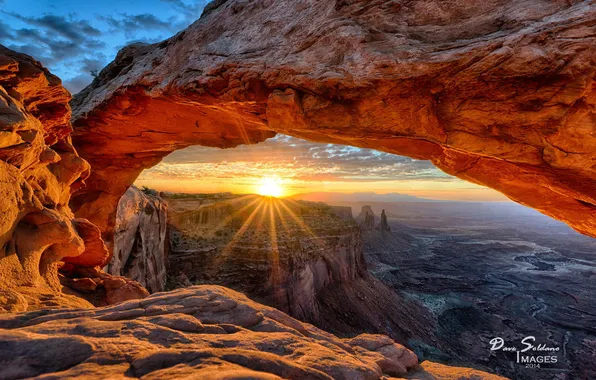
pixel 281 252
pixel 500 93
pixel 140 239
pixel 303 258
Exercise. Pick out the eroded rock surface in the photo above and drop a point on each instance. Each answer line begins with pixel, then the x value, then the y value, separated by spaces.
pixel 366 219
pixel 206 332
pixel 140 239
pixel 280 252
pixel 39 168
pixel 303 258
pixel 498 92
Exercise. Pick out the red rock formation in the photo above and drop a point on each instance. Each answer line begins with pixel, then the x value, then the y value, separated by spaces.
pixel 205 332
pixel 383 226
pixel 140 239
pixel 366 218
pixel 38 170
pixel 499 93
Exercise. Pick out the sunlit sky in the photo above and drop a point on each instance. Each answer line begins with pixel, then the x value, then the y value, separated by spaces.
pixel 302 167
pixel 74 38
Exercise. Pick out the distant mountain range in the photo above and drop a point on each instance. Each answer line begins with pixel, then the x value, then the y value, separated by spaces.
pixel 334 197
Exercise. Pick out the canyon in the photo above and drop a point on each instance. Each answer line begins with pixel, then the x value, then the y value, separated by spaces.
pixel 303 258
pixel 52 279
pixel 499 93
pixel 539 283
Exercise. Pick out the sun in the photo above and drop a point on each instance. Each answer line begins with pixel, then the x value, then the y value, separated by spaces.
pixel 270 187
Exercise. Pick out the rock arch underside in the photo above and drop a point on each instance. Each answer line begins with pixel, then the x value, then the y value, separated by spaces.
pixel 499 93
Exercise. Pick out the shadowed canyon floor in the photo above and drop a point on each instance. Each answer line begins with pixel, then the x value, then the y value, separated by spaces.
pixel 492 270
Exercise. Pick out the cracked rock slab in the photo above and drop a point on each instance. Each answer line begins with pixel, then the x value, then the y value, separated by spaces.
pixel 207 332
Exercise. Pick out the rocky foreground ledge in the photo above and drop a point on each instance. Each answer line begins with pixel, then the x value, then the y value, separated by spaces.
pixel 206 332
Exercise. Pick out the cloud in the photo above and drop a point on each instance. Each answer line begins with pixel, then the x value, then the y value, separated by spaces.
pixel 56 40
pixel 72 29
pixel 5 30
pixel 78 83
pixel 90 65
pixel 189 11
pixel 130 25
pixel 295 159
pixel 73 46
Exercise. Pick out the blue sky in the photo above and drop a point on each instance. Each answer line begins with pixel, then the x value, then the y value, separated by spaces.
pixel 73 38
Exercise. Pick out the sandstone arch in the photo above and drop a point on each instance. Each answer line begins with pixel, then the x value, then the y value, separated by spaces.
pixel 500 93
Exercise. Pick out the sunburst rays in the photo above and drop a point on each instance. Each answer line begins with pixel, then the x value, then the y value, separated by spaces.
pixel 268 211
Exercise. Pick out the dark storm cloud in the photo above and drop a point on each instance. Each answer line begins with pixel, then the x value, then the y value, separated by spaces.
pixel 190 11
pixel 5 30
pixel 78 31
pixel 53 39
pixel 130 25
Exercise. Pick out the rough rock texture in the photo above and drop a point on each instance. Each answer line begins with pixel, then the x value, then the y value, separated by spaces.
pixel 205 332
pixel 39 168
pixel 140 239
pixel 98 287
pixel 366 219
pixel 384 226
pixel 344 212
pixel 280 252
pixel 497 92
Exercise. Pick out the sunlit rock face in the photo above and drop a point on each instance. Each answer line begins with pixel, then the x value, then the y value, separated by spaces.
pixel 498 92
pixel 39 168
pixel 203 332
pixel 140 239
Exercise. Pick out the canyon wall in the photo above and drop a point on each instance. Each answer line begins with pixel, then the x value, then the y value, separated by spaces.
pixel 284 259
pixel 303 258
pixel 140 239
pixel 500 93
